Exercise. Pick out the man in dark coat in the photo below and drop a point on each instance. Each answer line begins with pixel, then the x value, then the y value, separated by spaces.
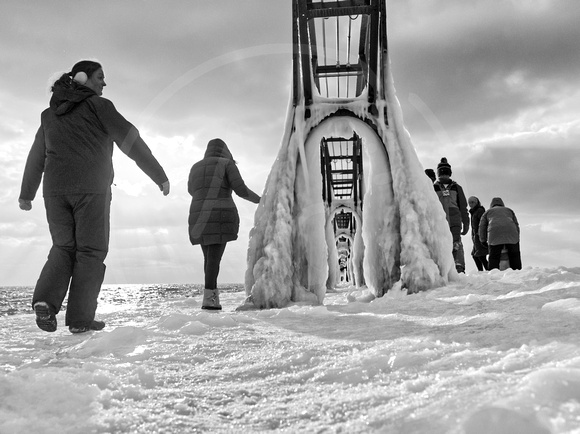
pixel 73 150
pixel 454 203
pixel 213 216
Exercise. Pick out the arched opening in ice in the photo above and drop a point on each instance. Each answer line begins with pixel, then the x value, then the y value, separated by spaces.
pixel 378 269
pixel 402 239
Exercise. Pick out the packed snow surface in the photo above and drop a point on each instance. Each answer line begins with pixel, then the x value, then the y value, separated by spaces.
pixel 497 352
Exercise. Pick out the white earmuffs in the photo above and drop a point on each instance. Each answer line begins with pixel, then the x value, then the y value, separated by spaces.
pixel 81 77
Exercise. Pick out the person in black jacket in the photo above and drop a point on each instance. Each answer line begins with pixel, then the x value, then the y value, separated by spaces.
pixel 479 251
pixel 73 150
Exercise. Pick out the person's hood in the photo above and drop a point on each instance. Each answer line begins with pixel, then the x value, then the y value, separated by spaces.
pixel 496 201
pixel 218 148
pixel 67 95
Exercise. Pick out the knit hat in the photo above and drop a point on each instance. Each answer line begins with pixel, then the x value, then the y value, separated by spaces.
pixel 444 167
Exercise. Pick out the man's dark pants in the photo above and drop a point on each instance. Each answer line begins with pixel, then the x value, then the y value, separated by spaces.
pixel 79 227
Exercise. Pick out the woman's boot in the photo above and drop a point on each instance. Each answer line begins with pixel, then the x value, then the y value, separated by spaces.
pixel 211 299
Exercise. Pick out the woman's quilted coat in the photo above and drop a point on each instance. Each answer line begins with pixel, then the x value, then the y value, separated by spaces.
pixel 213 216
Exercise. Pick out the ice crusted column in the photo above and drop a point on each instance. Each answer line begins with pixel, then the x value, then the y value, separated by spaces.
pixel 426 244
pixel 269 276
pixel 403 241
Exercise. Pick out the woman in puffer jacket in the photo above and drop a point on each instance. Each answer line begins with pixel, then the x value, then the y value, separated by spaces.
pixel 213 216
pixel 479 251
pixel 499 227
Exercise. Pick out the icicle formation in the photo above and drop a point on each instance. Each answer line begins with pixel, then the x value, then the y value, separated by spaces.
pixel 405 242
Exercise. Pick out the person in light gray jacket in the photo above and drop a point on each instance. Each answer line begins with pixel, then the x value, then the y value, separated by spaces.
pixel 499 227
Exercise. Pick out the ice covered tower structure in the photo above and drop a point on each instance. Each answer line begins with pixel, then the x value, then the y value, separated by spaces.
pixel 347 200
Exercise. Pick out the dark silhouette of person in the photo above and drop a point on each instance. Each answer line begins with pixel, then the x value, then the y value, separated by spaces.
pixel 72 155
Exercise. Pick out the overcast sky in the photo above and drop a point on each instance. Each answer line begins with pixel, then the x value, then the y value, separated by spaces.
pixel 493 85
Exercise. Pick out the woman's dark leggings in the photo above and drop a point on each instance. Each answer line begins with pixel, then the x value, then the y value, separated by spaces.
pixel 212 256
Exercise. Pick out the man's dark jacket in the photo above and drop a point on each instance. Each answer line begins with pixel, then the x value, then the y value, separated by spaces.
pixel 74 145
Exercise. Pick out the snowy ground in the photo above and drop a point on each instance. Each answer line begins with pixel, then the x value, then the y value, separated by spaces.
pixel 496 353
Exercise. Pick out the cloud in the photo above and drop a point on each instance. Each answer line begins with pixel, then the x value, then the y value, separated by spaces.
pixel 550 239
pixel 536 171
pixel 494 88
pixel 472 63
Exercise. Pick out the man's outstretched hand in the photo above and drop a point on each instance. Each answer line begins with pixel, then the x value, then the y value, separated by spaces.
pixel 26 205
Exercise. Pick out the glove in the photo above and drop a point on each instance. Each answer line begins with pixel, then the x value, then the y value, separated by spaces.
pixel 164 188
pixel 465 230
pixel 25 205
